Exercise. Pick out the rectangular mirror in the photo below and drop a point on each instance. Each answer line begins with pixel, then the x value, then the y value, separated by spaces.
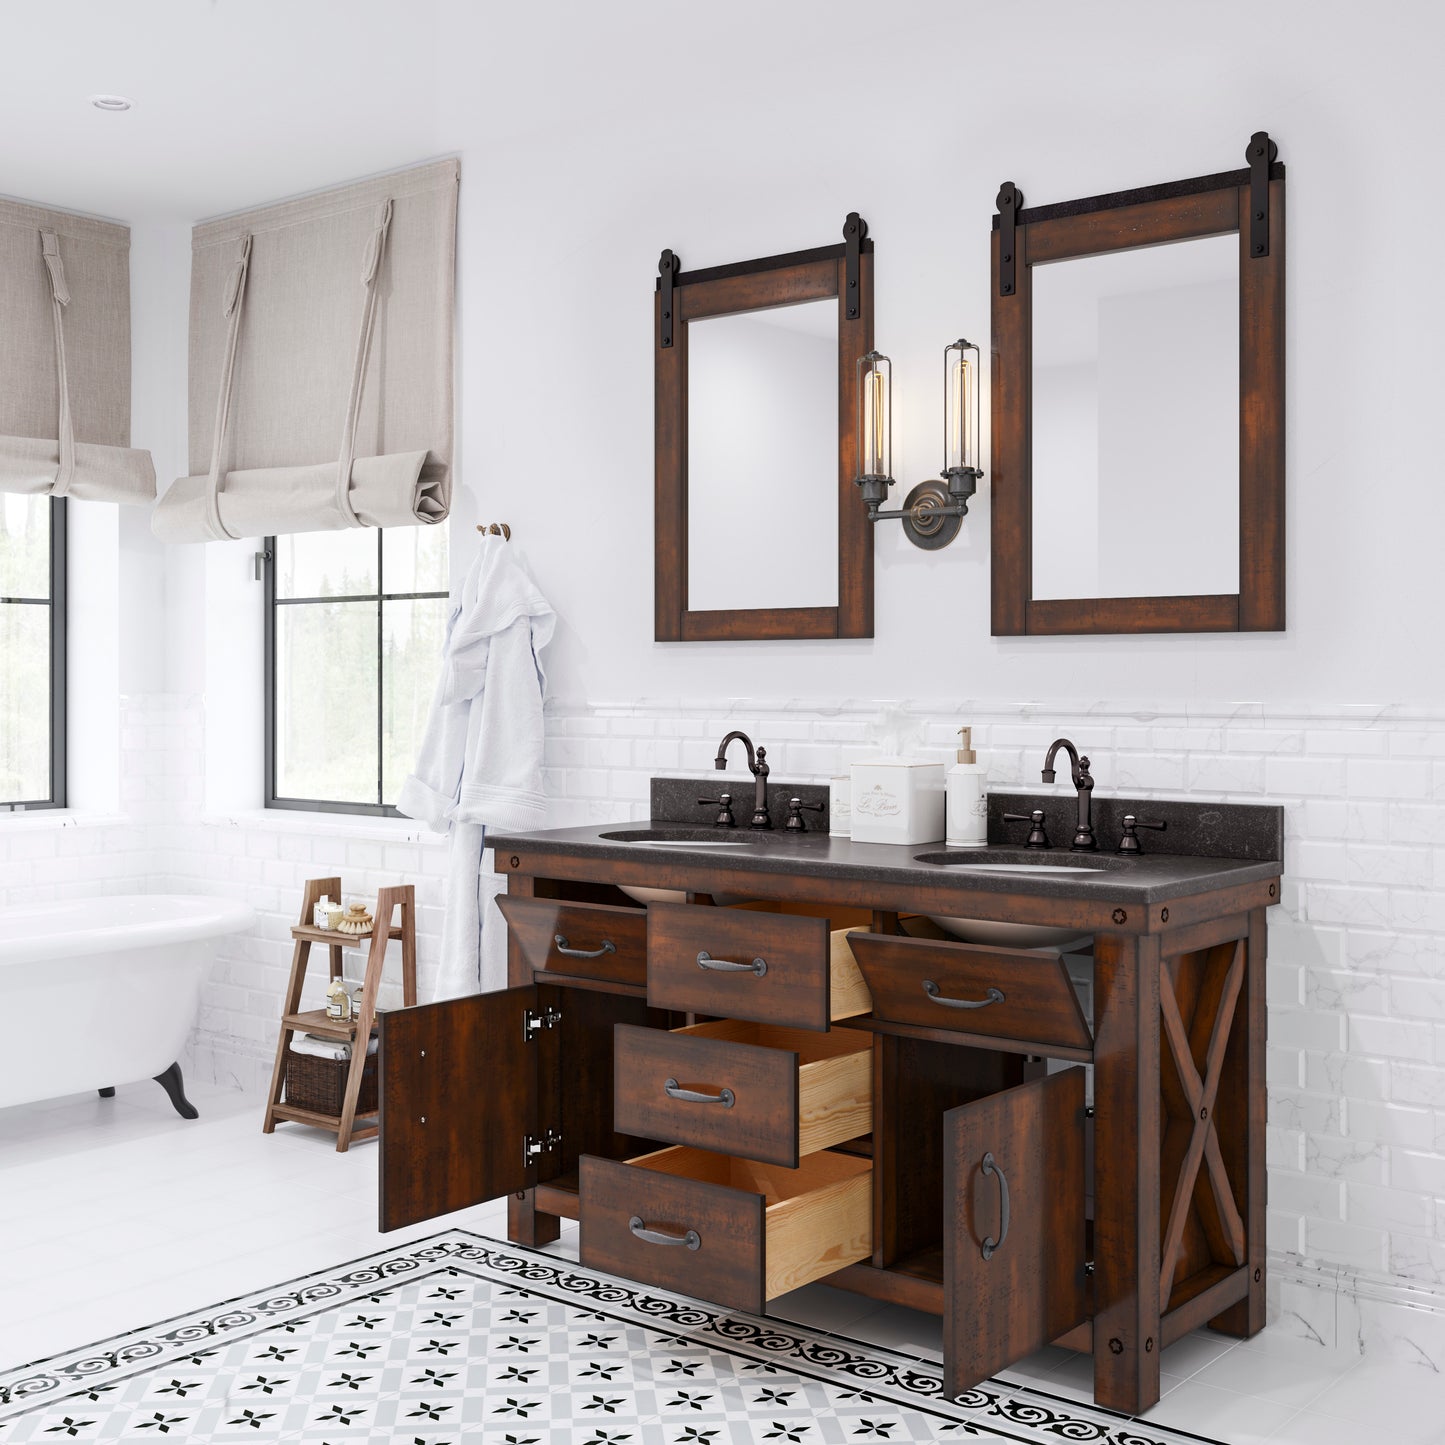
pixel 759 532
pixel 762 436
pixel 1138 411
pixel 1136 352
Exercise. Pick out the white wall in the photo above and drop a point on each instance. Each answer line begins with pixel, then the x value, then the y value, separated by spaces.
pixel 690 134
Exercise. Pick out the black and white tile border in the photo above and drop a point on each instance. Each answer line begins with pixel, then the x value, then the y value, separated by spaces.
pixel 73 1388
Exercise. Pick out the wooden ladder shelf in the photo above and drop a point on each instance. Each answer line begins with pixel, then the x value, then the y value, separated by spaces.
pixel 357 1031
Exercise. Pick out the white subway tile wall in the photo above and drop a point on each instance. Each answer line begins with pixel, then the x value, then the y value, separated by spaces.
pixel 1357 949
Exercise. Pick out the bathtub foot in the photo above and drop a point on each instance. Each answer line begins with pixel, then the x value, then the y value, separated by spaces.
pixel 107 1093
pixel 174 1086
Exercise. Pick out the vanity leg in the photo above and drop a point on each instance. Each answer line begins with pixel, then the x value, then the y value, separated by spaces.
pixel 527 1225
pixel 1240 1109
pixel 1126 1178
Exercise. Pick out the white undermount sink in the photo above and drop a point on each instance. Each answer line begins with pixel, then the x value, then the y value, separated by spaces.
pixel 684 839
pixel 1010 935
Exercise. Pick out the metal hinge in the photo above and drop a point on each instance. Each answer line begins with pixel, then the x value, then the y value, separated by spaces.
pixel 668 268
pixel 533 1148
pixel 1010 202
pixel 533 1023
pixel 855 230
pixel 1259 153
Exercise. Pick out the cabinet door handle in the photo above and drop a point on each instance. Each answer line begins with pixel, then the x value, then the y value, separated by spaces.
pixel 758 967
pixel 673 1090
pixel 692 1240
pixel 560 939
pixel 991 1165
pixel 994 995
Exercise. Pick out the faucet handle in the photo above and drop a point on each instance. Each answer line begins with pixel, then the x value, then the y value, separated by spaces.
pixel 1129 841
pixel 1037 837
pixel 724 804
pixel 796 808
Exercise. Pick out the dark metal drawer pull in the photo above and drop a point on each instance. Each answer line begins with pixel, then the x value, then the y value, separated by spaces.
pixel 758 967
pixel 690 1096
pixel 991 1165
pixel 656 1236
pixel 560 939
pixel 994 995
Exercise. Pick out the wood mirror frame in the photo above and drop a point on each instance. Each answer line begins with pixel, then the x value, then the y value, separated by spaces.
pixel 1183 210
pixel 843 271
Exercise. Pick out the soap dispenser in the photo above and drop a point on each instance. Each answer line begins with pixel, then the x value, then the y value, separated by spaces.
pixel 967 818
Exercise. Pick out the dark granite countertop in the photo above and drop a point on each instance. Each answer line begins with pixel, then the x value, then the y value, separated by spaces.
pixel 1153 877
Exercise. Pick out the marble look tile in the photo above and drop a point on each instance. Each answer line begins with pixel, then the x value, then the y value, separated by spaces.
pixel 1219 1414
pixel 1288 1372
pixel 1387 1397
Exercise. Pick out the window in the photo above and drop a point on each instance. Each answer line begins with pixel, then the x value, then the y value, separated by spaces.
pixel 32 652
pixel 355 622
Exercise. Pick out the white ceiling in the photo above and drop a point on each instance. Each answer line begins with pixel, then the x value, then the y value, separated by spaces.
pixel 236 101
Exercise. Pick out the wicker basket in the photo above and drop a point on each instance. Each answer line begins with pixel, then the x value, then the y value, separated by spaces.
pixel 320 1084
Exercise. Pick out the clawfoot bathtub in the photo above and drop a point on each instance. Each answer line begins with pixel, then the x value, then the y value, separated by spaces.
pixel 101 991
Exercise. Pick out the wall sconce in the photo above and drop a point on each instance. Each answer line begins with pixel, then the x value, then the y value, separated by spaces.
pixel 933 512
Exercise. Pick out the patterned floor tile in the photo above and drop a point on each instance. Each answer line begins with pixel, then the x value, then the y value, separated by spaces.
pixel 461 1338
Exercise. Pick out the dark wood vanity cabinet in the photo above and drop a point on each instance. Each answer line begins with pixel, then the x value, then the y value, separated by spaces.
pixel 736 1101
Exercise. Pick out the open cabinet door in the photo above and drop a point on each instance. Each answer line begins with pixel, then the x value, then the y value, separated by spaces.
pixel 1013 1243
pixel 458 1093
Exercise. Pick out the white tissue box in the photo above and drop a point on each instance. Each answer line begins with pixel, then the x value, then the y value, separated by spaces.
pixel 898 800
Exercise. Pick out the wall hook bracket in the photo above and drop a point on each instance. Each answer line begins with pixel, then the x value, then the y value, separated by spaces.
pixel 1010 203
pixel 1261 153
pixel 668 267
pixel 855 229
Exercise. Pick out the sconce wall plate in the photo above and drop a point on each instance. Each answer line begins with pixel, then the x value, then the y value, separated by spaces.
pixel 929 518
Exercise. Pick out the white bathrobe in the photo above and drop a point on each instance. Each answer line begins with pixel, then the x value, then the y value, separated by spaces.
pixel 481 758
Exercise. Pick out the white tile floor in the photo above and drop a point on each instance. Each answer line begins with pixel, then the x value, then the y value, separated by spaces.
pixel 115 1213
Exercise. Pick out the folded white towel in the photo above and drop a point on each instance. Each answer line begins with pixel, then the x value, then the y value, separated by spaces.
pixel 324 1048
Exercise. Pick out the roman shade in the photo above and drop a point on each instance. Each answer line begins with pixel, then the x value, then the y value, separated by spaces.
pixel 321 363
pixel 65 358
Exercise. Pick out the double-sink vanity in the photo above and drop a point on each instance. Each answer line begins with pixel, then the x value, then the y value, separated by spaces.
pixel 1021 1086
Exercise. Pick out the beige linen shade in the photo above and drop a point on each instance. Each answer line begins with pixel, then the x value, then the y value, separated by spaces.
pixel 65 358
pixel 321 363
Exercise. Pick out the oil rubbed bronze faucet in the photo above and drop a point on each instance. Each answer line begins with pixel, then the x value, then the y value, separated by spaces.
pixel 1084 841
pixel 758 767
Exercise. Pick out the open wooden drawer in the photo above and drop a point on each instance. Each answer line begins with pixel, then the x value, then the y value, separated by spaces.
pixel 583 940
pixel 1020 998
pixel 728 1230
pixel 755 1090
pixel 747 963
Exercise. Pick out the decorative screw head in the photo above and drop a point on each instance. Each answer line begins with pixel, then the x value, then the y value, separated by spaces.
pixel 1116 1346
pixel 1008 255
pixel 1120 916
pixel 1164 916
pixel 516 861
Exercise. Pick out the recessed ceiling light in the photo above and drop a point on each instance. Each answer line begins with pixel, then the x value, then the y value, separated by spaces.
pixel 110 102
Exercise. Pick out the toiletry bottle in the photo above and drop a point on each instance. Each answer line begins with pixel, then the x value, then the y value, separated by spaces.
pixel 967 825
pixel 319 914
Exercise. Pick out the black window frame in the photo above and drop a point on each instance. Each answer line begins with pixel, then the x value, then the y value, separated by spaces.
pixel 56 602
pixel 380 597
